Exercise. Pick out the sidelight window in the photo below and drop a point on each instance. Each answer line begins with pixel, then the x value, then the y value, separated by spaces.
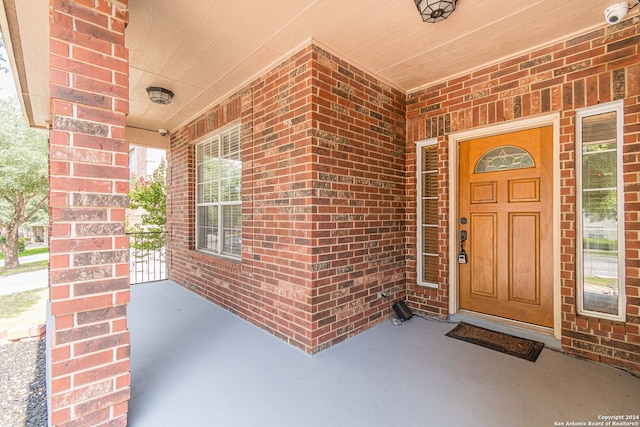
pixel 427 239
pixel 600 240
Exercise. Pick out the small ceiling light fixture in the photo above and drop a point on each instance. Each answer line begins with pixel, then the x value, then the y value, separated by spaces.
pixel 160 95
pixel 435 10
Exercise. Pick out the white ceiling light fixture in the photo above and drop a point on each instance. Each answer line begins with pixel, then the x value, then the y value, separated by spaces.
pixel 160 95
pixel 435 10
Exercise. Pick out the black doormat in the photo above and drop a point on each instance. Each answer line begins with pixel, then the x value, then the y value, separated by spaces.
pixel 504 343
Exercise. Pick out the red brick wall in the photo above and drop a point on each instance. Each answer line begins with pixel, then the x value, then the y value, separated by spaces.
pixel 323 193
pixel 270 285
pixel 598 67
pixel 359 243
pixel 89 252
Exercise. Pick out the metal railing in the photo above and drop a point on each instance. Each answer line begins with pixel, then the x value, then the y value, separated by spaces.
pixel 147 256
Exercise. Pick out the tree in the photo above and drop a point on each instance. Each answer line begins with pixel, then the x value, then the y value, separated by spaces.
pixel 150 194
pixel 3 60
pixel 599 175
pixel 24 177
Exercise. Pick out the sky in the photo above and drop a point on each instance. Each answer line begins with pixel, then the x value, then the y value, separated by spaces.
pixel 7 86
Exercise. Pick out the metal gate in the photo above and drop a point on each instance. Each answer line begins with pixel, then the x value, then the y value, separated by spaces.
pixel 147 256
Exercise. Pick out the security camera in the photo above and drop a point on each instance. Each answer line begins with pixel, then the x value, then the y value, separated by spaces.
pixel 163 132
pixel 616 13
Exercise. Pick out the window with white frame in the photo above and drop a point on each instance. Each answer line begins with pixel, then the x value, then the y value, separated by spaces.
pixel 219 194
pixel 600 238
pixel 427 186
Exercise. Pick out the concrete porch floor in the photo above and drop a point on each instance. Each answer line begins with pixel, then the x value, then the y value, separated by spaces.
pixel 195 364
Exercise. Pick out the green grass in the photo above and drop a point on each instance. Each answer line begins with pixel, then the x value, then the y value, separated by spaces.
pixel 12 305
pixel 599 280
pixel 23 268
pixel 33 251
pixel 610 254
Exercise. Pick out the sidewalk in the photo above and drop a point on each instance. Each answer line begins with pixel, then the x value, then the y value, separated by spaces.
pixel 29 258
pixel 24 281
pixel 30 323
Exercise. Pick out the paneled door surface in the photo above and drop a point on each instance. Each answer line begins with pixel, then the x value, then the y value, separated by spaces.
pixel 506 208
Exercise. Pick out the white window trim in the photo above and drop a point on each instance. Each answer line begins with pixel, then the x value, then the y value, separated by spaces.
pixel 618 108
pixel 220 244
pixel 419 239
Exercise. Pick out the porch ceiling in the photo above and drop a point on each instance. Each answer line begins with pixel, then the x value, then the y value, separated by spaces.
pixel 204 50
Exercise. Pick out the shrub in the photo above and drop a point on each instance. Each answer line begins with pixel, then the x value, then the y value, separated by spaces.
pixel 595 243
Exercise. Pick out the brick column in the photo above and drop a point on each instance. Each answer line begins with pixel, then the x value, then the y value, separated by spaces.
pixel 89 266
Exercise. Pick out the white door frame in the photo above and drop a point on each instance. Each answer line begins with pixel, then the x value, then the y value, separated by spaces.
pixel 454 216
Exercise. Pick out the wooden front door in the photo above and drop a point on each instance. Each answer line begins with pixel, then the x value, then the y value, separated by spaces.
pixel 506 197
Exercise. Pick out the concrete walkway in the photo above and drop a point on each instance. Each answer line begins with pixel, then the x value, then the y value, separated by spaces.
pixel 29 258
pixel 195 364
pixel 24 281
pixel 30 322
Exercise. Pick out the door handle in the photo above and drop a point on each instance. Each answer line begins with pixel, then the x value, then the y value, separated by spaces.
pixel 462 256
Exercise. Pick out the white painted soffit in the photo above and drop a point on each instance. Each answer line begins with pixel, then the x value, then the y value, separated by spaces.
pixel 25 30
pixel 204 50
